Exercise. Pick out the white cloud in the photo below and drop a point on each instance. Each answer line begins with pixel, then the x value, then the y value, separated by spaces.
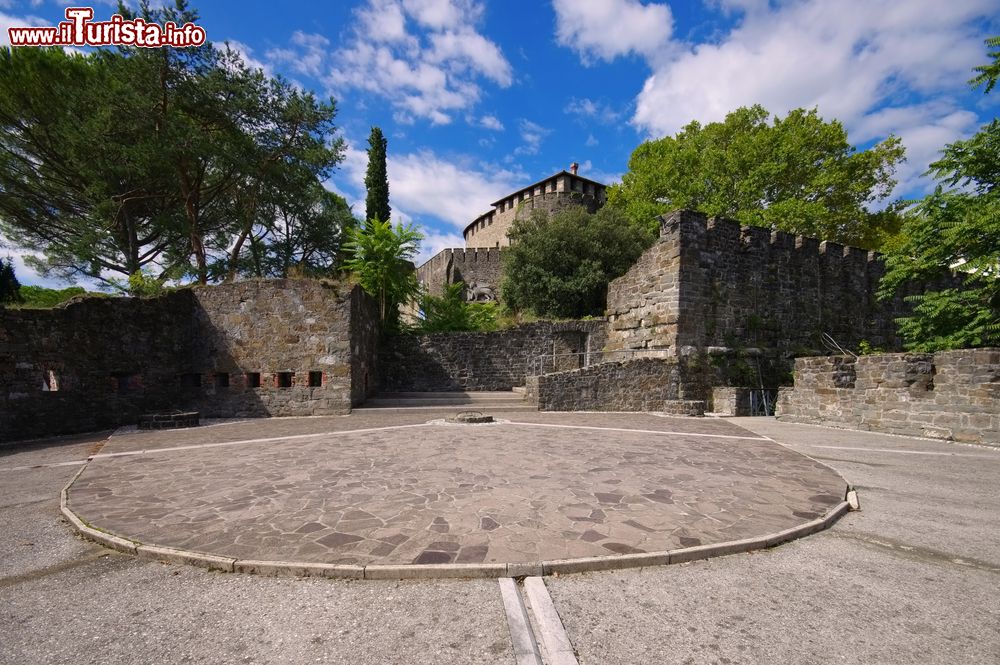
pixel 435 241
pixel 532 134
pixel 308 55
pixel 384 21
pixel 847 58
pixel 466 49
pixel 427 185
pixel 924 137
pixel 587 170
pixel 9 21
pixel 491 122
pixel 27 276
pixel 591 141
pixel 425 57
pixel 443 14
pixel 598 110
pixel 606 29
pixel 879 66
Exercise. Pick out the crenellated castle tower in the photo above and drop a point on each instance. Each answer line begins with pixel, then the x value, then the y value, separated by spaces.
pixel 486 235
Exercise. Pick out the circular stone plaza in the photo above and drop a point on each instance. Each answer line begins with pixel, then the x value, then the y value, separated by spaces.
pixel 398 493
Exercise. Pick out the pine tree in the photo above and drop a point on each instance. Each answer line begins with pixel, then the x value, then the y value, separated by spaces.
pixel 376 180
pixel 9 286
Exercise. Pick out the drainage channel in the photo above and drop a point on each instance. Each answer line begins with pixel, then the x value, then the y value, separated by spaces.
pixel 536 630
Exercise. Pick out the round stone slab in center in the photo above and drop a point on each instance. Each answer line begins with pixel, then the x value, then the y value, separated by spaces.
pixel 515 492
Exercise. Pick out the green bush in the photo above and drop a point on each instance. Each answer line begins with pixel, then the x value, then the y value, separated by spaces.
pixel 560 266
pixel 451 313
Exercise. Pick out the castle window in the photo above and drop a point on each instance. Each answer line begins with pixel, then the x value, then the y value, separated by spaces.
pixel 191 380
pixel 284 379
pixel 253 379
pixel 315 379
pixel 124 381
pixel 222 379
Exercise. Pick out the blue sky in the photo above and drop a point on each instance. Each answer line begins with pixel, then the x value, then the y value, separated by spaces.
pixel 479 97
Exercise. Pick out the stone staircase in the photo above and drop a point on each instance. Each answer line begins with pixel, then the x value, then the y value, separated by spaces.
pixel 472 401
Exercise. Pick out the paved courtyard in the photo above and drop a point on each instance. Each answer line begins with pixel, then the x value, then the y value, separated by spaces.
pixel 909 579
pixel 534 487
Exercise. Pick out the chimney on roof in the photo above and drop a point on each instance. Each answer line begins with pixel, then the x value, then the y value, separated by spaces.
pixel 573 168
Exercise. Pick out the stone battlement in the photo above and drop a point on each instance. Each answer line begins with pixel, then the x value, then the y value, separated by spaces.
pixel 553 193
pixel 478 264
pixel 713 283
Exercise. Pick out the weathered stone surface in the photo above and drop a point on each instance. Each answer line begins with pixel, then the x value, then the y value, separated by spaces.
pixel 644 384
pixel 486 361
pixel 449 266
pixel 199 349
pixel 947 395
pixel 712 287
pixel 540 487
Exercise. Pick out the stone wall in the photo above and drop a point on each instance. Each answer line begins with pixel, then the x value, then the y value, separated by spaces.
pixel 450 266
pixel 712 283
pixel 485 361
pixel 748 300
pixel 644 384
pixel 299 330
pixel 93 363
pixel 947 395
pixel 254 348
pixel 562 189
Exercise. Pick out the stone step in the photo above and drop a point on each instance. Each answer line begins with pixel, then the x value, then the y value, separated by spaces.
pixel 472 400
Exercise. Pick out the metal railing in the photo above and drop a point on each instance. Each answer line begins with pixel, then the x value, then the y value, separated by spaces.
pixel 762 401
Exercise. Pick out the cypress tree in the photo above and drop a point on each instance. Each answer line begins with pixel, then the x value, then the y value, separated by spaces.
pixel 376 180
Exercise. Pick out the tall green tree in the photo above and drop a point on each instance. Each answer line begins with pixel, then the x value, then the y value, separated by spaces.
pixel 10 288
pixel 560 265
pixel 302 235
pixel 80 179
pixel 797 174
pixel 381 258
pixel 164 160
pixel 953 233
pixel 376 178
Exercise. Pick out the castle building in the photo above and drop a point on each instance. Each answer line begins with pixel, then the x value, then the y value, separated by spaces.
pixel 550 194
pixel 478 264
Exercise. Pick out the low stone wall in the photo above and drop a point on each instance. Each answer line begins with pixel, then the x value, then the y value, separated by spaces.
pixel 645 384
pixel 951 395
pixel 253 348
pixel 498 360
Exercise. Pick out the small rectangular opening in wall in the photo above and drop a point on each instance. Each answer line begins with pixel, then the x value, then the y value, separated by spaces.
pixel 190 380
pixel 222 379
pixel 124 381
pixel 253 379
pixel 285 379
pixel 315 379
pixel 50 381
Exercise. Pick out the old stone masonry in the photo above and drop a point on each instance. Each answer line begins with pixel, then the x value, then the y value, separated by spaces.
pixel 709 312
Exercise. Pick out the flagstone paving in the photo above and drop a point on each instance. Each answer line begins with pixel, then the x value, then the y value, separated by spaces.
pixel 397 489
